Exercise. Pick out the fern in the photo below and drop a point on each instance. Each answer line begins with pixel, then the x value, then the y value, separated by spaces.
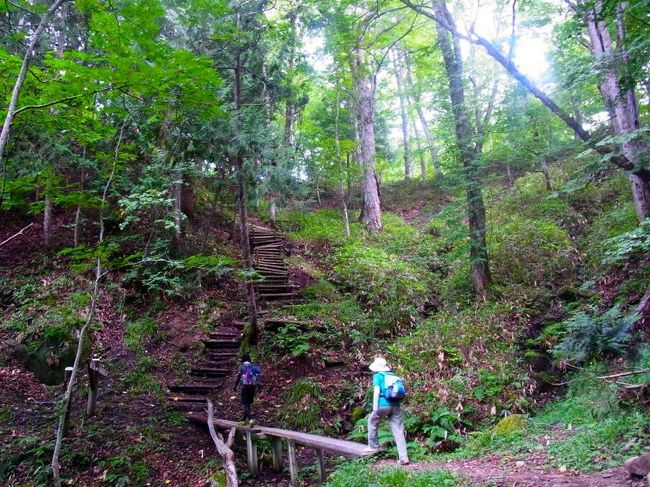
pixel 588 335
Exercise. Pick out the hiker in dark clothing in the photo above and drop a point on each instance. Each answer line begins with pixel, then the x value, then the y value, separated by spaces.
pixel 248 377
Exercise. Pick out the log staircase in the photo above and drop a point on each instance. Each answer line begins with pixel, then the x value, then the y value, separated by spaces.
pixel 223 343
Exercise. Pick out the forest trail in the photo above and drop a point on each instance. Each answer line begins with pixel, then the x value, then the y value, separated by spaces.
pixel 534 471
pixel 222 345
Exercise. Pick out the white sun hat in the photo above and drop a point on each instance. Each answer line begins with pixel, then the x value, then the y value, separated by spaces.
pixel 379 365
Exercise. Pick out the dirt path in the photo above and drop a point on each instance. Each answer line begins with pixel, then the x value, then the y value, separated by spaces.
pixel 534 472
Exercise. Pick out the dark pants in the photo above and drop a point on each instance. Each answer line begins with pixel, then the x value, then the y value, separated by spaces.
pixel 247 396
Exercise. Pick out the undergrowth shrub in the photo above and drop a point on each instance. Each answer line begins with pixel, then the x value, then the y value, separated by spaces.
pixel 392 289
pixel 467 358
pixel 359 474
pixel 589 335
pixel 528 238
pixel 530 253
pixel 302 409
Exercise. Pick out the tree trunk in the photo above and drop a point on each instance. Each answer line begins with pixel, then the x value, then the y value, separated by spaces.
pixel 476 209
pixel 77 223
pixel 177 189
pixel 416 133
pixel 47 219
pixel 435 160
pixel 337 141
pixel 547 177
pixel 11 109
pixel 273 210
pixel 365 85
pixel 404 116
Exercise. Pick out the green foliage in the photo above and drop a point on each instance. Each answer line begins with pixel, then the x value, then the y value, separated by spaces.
pixel 599 425
pixel 359 474
pixel 386 285
pixel 528 240
pixel 292 339
pixel 634 243
pixel 442 425
pixel 139 332
pixel 121 471
pixel 590 335
pixel 510 424
pixel 302 409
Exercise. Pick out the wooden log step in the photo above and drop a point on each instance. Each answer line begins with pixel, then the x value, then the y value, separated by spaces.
pixel 258 240
pixel 199 387
pixel 275 265
pixel 189 407
pixel 218 344
pixel 264 267
pixel 216 358
pixel 277 296
pixel 210 371
pixel 225 335
pixel 272 247
pixel 272 273
pixel 186 398
pixel 272 261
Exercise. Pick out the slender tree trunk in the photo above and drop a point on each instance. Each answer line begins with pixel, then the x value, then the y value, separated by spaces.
pixel 273 211
pixel 547 177
pixel 177 188
pixel 476 209
pixel 418 144
pixel 435 160
pixel 250 336
pixel 365 86
pixel 509 175
pixel 404 116
pixel 337 141
pixel 13 101
pixel 77 223
pixel 47 219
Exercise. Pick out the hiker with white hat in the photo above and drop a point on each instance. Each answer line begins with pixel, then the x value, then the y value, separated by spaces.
pixel 388 390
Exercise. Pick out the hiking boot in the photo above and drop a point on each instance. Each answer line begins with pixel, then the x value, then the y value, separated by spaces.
pixel 370 449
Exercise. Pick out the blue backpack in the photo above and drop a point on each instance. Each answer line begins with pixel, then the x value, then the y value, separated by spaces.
pixel 250 374
pixel 394 389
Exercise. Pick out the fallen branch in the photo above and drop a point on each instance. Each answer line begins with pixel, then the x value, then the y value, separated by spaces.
pixel 623 374
pixel 224 449
pixel 16 235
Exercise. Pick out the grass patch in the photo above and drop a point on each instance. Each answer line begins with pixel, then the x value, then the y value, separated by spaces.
pixel 360 474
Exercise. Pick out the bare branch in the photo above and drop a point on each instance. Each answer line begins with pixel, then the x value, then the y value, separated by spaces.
pixel 15 235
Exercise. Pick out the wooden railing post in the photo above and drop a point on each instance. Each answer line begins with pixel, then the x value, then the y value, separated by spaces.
pixel 277 454
pixel 66 422
pixel 322 473
pixel 293 462
pixel 251 453
pixel 95 371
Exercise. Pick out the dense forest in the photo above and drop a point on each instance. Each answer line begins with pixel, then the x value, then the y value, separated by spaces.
pixel 460 188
